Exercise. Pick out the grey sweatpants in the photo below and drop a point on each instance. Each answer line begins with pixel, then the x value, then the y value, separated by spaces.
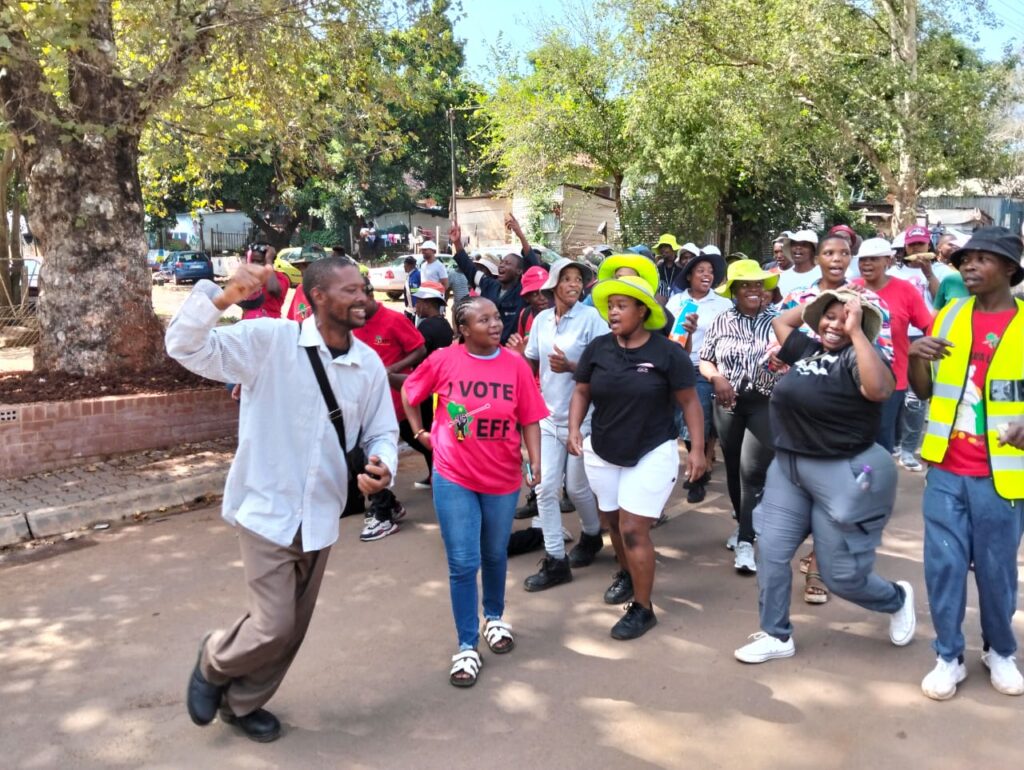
pixel 804 495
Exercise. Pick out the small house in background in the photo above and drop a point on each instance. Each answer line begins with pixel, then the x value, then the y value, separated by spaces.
pixel 426 221
pixel 571 220
pixel 970 205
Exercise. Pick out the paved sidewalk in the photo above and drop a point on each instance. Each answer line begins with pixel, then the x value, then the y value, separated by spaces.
pixel 55 502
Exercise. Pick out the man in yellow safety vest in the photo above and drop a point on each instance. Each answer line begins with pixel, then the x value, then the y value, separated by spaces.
pixel 972 367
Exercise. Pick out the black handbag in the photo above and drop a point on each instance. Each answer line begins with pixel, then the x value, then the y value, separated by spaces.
pixel 355 458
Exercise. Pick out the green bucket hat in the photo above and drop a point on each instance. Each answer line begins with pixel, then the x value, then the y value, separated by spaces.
pixel 630 286
pixel 746 270
pixel 641 265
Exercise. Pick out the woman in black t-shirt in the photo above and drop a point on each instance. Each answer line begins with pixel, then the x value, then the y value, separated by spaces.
pixel 633 378
pixel 828 478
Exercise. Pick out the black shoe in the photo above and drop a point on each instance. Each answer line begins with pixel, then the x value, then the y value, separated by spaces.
pixel 703 480
pixel 260 725
pixel 696 494
pixel 637 621
pixel 525 540
pixel 585 551
pixel 552 572
pixel 621 589
pixel 565 504
pixel 529 510
pixel 202 697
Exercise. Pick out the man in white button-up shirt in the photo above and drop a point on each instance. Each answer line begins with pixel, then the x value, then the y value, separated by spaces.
pixel 288 482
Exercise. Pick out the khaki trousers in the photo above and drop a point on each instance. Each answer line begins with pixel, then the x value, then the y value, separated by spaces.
pixel 253 655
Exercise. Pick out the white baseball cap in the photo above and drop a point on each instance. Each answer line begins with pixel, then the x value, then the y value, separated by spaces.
pixel 428 245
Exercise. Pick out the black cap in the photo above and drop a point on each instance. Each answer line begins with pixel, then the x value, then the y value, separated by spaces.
pixel 995 240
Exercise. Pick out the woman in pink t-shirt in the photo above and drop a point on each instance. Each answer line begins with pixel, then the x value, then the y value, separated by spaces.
pixel 488 406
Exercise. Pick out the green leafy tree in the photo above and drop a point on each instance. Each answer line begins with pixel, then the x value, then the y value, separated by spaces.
pixel 884 80
pixel 85 83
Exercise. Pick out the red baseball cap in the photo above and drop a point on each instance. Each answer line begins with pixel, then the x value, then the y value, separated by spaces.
pixel 917 234
pixel 533 280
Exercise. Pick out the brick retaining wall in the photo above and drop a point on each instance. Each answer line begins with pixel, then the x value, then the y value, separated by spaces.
pixel 45 436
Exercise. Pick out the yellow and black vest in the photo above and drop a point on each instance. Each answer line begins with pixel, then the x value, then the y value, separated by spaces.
pixel 1003 393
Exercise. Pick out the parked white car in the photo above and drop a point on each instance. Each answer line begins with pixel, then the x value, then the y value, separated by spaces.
pixel 390 279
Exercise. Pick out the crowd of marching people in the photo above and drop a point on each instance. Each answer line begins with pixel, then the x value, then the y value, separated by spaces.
pixel 819 372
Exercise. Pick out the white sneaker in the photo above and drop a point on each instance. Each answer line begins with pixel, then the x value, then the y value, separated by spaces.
pixel 903 622
pixel 744 562
pixel 941 681
pixel 908 461
pixel 1006 678
pixel 375 529
pixel 733 539
pixel 763 647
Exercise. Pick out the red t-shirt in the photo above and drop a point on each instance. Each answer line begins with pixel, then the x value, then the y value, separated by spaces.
pixel 482 403
pixel 392 337
pixel 905 308
pixel 967 454
pixel 271 307
pixel 300 309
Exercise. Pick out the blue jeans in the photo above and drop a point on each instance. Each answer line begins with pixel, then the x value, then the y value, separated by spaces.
pixel 964 521
pixel 706 396
pixel 912 422
pixel 891 410
pixel 475 529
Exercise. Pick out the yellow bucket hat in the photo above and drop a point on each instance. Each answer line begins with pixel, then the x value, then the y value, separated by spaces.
pixel 641 265
pixel 667 240
pixel 746 270
pixel 630 286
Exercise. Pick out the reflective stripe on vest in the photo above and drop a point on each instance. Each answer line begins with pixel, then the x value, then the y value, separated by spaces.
pixel 955 324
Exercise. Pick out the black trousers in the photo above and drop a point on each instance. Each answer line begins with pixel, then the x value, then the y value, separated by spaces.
pixel 746 438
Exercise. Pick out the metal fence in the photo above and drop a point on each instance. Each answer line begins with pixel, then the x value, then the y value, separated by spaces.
pixel 233 242
pixel 19 327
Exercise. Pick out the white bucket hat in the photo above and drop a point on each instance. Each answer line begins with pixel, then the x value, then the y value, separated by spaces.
pixel 875 247
pixel 555 272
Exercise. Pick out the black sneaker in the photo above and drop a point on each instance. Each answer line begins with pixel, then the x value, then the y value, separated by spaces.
pixel 565 504
pixel 696 494
pixel 637 621
pixel 529 510
pixel 552 572
pixel 585 551
pixel 621 589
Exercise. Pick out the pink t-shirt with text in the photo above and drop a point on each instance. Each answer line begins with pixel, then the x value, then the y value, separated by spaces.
pixel 482 403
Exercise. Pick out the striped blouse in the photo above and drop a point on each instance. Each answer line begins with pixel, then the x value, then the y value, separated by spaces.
pixel 738 345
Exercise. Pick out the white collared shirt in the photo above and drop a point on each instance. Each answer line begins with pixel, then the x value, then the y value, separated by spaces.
pixel 289 469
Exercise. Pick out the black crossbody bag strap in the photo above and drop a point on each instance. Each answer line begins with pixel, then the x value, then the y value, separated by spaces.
pixel 333 410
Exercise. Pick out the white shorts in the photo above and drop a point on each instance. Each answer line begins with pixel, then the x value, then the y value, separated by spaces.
pixel 642 489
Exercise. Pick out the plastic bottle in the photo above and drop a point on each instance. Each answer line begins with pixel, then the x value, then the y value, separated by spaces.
pixel 864 478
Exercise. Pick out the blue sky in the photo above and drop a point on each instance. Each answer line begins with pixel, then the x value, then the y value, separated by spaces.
pixel 484 20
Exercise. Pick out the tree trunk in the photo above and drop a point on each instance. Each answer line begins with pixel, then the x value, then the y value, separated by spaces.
pixel 617 195
pixel 7 297
pixel 18 291
pixel 95 305
pixel 903 51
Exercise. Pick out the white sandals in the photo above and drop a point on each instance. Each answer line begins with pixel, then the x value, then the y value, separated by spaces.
pixel 498 635
pixel 465 662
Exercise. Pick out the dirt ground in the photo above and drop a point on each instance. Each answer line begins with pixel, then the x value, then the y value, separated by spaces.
pixel 98 635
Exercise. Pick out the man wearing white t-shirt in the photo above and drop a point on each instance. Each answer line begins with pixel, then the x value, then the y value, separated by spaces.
pixel 432 269
pixel 800 248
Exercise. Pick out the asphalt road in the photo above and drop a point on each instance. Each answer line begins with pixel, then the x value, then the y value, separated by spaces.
pixel 97 638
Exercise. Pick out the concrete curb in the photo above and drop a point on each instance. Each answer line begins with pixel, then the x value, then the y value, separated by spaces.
pixel 57 520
